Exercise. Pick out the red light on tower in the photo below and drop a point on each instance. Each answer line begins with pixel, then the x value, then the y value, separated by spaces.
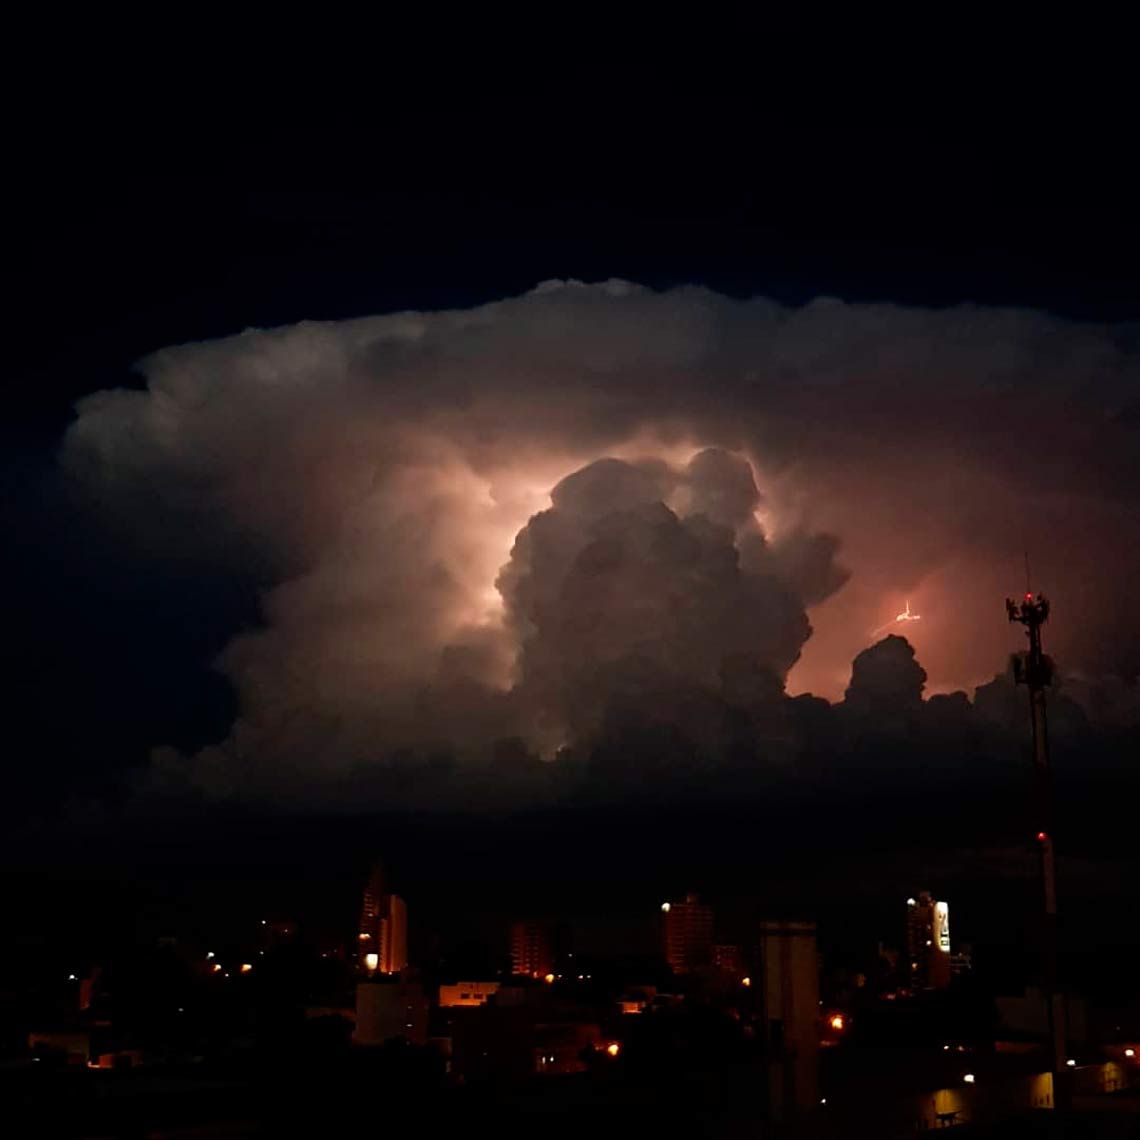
pixel 1041 837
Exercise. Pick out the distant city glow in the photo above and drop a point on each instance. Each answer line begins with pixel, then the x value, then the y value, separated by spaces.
pixel 371 961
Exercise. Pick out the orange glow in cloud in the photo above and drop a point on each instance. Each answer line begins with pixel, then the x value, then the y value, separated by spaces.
pixel 502 501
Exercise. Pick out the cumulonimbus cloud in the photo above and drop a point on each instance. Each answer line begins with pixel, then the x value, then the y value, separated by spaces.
pixel 390 482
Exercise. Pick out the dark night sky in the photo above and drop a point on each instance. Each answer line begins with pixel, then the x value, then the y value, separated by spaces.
pixel 112 260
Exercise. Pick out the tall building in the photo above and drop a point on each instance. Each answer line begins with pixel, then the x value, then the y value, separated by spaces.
pixel 789 993
pixel 383 932
pixel 531 952
pixel 928 942
pixel 687 931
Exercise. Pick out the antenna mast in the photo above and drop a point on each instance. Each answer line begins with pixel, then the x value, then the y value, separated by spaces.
pixel 1034 669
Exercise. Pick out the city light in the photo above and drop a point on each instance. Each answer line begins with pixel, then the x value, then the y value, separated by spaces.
pixel 613 1048
pixel 246 967
pixel 665 908
pixel 823 1100
pixel 364 936
pixel 71 977
pixel 911 902
pixel 836 1021
pixel 1130 1052
pixel 209 955
pixel 969 1078
pixel 371 961
pixel 217 967
pixel 746 982
pixel 549 979
pixel 1071 1063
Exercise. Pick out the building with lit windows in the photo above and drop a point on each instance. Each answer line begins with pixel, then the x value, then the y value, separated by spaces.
pixel 470 994
pixel 383 928
pixel 687 933
pixel 928 942
pixel 531 953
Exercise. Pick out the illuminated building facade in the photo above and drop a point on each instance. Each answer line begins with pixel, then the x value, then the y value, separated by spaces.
pixel 928 942
pixel 531 953
pixel 687 931
pixel 383 930
pixel 466 994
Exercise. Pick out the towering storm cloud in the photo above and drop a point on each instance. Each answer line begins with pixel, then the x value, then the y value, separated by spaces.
pixel 612 596
pixel 492 524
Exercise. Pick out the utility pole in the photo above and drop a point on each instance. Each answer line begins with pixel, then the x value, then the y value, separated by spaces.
pixel 1035 670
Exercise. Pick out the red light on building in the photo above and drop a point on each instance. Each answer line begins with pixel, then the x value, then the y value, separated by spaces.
pixel 1041 837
